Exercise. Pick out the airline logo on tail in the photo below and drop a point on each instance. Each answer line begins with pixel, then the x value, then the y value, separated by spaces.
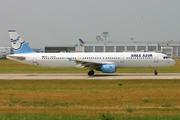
pixel 81 42
pixel 14 41
pixel 17 43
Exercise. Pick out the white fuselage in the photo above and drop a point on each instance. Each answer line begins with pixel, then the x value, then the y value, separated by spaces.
pixel 120 60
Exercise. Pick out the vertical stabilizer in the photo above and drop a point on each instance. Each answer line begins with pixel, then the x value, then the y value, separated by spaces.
pixel 18 44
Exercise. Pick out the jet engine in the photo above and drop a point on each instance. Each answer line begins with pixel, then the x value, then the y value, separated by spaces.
pixel 108 68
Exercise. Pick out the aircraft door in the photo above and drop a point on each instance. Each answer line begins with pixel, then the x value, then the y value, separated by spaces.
pixel 156 59
pixel 34 58
pixel 122 59
pixel 79 57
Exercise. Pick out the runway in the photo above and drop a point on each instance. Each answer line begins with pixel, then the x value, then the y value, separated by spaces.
pixel 84 76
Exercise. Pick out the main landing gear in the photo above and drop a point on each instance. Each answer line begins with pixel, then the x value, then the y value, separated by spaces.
pixel 91 72
pixel 155 72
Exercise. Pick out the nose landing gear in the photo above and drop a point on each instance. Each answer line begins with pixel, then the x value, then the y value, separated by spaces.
pixel 155 72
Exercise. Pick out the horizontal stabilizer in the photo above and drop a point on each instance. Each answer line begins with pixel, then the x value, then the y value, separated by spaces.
pixel 16 57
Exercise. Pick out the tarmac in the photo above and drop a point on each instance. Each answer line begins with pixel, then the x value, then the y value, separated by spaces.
pixel 84 76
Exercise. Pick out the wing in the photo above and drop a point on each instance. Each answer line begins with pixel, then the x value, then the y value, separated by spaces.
pixel 90 64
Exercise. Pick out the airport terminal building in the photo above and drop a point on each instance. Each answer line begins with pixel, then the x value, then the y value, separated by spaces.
pixel 171 49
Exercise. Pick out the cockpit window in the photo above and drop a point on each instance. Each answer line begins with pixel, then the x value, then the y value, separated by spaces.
pixel 166 57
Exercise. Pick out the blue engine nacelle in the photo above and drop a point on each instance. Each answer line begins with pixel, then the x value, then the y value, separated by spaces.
pixel 108 68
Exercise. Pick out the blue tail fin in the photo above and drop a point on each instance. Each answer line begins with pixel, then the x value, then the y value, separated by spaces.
pixel 18 44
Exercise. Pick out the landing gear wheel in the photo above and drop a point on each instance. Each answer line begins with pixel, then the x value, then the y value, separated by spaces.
pixel 90 73
pixel 155 72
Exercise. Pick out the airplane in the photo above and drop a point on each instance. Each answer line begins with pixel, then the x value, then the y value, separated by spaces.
pixel 2 55
pixel 105 62
pixel 4 52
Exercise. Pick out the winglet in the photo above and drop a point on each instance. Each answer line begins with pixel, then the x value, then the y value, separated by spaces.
pixel 18 44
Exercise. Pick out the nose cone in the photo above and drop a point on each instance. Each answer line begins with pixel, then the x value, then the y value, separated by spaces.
pixel 172 62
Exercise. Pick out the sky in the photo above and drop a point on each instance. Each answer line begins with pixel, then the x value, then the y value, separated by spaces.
pixel 63 22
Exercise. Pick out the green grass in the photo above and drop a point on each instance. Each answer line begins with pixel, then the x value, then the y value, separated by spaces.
pixel 9 66
pixel 41 116
pixel 87 100
pixel 90 98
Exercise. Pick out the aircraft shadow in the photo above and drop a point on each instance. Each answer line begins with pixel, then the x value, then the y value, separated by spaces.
pixel 103 75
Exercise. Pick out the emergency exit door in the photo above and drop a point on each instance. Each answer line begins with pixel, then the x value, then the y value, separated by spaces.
pixel 34 58
pixel 122 59
pixel 156 59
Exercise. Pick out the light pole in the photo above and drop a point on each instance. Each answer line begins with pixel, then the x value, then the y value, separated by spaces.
pixel 98 38
pixel 105 34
